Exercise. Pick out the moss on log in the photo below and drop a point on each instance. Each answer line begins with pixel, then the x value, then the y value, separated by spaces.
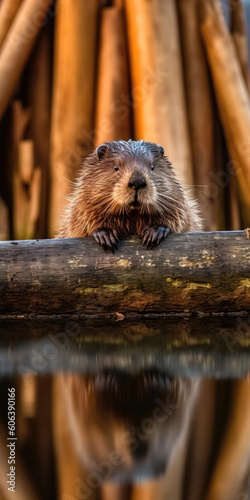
pixel 188 273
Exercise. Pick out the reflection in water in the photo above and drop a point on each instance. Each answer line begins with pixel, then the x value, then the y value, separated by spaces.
pixel 118 435
pixel 127 428
pixel 165 438
pixel 119 413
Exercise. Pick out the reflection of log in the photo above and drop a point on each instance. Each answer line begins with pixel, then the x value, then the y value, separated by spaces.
pixel 72 478
pixel 119 3
pixel 157 80
pixel 24 489
pixel 170 485
pixel 231 92
pixel 208 347
pixel 201 439
pixel 232 468
pixel 112 113
pixel 115 491
pixel 189 272
pixel 73 91
pixel 8 11
pixel 18 46
pixel 43 444
pixel 200 113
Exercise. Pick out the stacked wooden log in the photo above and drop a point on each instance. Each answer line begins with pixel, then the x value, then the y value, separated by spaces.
pixel 74 74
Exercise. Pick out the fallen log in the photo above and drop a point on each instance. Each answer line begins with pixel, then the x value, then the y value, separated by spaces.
pixel 188 273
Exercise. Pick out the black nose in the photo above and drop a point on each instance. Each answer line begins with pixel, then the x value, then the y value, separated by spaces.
pixel 137 182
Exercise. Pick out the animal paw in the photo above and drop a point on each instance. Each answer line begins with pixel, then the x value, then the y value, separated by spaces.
pixel 154 235
pixel 107 238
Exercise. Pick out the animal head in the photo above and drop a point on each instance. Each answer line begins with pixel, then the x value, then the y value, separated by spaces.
pixel 133 176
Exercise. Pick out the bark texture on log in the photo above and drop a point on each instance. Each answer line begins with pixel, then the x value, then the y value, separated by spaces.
pixel 208 272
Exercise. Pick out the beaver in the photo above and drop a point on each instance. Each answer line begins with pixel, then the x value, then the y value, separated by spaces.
pixel 144 417
pixel 129 187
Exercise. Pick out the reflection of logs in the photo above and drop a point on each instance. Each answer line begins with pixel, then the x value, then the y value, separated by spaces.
pixel 71 476
pixel 111 491
pixel 201 440
pixel 195 272
pixel 24 489
pixel 133 344
pixel 233 463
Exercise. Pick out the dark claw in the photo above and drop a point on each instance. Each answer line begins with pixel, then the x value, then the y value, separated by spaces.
pixel 107 238
pixel 154 235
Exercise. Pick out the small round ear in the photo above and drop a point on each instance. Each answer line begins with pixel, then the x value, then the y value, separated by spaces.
pixel 101 150
pixel 161 150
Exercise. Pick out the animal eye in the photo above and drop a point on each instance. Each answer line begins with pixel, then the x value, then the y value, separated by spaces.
pixel 116 167
pixel 152 167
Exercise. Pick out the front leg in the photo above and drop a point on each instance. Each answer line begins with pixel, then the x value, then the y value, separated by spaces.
pixel 154 235
pixel 107 238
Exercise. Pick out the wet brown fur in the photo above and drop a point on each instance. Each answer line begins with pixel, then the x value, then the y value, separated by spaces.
pixel 103 199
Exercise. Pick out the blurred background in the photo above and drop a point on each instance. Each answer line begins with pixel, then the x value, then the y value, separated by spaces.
pixel 75 73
